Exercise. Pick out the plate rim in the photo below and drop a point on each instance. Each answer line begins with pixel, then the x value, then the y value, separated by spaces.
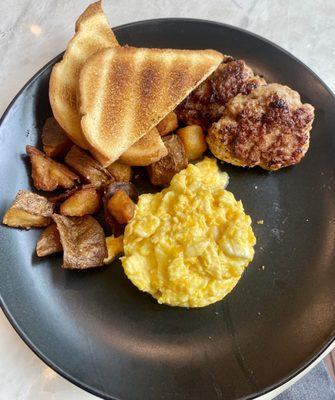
pixel 267 391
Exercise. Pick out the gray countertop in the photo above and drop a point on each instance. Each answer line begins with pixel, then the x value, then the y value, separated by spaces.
pixel 32 32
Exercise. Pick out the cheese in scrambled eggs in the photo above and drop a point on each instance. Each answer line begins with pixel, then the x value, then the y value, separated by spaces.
pixel 189 244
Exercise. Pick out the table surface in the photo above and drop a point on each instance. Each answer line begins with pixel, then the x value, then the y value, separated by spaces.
pixel 33 32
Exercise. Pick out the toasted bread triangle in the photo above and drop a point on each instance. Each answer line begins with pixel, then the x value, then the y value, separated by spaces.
pixel 148 149
pixel 124 92
pixel 92 34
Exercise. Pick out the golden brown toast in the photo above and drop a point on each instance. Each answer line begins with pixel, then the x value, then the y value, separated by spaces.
pixel 124 92
pixel 147 150
pixel 92 34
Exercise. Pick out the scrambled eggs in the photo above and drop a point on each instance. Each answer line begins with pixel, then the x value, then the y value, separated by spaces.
pixel 189 244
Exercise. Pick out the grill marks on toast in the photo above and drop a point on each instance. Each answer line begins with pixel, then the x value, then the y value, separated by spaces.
pixel 140 88
pixel 116 82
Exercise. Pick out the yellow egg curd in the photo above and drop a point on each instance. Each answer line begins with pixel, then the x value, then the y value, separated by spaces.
pixel 189 244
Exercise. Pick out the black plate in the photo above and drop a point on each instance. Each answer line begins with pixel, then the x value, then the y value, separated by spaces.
pixel 100 332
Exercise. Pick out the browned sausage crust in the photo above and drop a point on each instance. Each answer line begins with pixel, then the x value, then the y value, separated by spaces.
pixel 206 103
pixel 269 127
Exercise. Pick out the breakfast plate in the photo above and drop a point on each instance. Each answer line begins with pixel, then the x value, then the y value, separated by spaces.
pixel 97 330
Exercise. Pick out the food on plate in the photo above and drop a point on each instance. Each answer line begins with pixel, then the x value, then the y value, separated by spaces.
pixel 82 202
pixel 29 210
pixel 143 86
pixel 194 141
pixel 168 124
pixel 54 139
pixel 87 167
pixel 58 198
pixel 93 33
pixel 83 241
pixel 206 103
pixel 121 206
pixel 114 248
pixel 48 174
pixel 120 172
pixel 189 244
pixel 269 127
pixel 127 187
pixel 162 171
pixel 145 151
pixel 116 227
pixel 49 241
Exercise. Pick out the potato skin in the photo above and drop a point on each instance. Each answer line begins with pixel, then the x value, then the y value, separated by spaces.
pixel 87 167
pixel 49 241
pixel 48 174
pixel 54 139
pixel 120 172
pixel 83 241
pixel 162 171
pixel 29 210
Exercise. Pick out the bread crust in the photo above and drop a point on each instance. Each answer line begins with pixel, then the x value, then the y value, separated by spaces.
pixel 92 34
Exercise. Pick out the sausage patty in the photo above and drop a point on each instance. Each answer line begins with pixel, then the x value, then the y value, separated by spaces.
pixel 206 103
pixel 269 127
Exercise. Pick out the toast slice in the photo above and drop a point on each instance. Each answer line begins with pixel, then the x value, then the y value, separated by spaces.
pixel 147 150
pixel 124 92
pixel 92 34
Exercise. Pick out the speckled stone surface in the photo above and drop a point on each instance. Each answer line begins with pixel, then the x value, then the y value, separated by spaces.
pixel 32 32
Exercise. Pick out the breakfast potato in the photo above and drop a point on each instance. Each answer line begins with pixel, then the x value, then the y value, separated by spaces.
pixel 116 228
pixel 114 248
pixel 120 172
pixel 88 167
pixel 83 241
pixel 60 197
pixel 82 202
pixel 121 207
pixel 168 124
pixel 128 187
pixel 29 210
pixel 162 171
pixel 49 241
pixel 194 141
pixel 48 174
pixel 54 139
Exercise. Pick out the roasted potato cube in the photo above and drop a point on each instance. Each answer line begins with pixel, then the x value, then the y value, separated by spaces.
pixel 162 171
pixel 84 201
pixel 83 241
pixel 49 241
pixel 54 139
pixel 194 141
pixel 128 187
pixel 120 172
pixel 121 207
pixel 114 248
pixel 87 167
pixel 168 124
pixel 115 228
pixel 60 197
pixel 48 174
pixel 29 210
